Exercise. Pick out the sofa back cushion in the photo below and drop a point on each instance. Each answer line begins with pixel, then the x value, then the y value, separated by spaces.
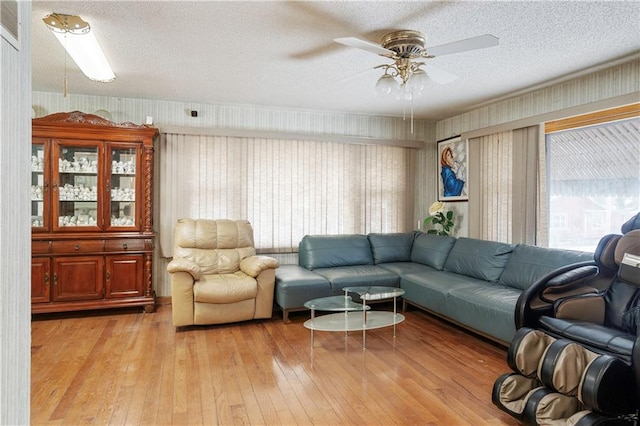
pixel 530 263
pixel 431 250
pixel 328 251
pixel 480 259
pixel 392 247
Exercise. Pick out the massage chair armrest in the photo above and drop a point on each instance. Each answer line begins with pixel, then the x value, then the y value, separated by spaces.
pixel 254 265
pixel 539 298
pixel 181 264
pixel 586 307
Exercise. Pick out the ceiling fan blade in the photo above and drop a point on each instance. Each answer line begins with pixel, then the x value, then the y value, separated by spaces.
pixel 473 43
pixel 438 75
pixel 365 45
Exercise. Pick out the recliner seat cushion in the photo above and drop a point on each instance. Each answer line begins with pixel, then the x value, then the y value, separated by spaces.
pixel 225 288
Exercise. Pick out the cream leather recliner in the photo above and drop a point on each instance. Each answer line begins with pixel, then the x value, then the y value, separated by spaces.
pixel 216 276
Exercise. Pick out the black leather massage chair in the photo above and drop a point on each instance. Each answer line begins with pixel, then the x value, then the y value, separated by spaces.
pixel 575 358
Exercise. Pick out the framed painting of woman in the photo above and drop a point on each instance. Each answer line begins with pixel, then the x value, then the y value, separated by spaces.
pixel 453 156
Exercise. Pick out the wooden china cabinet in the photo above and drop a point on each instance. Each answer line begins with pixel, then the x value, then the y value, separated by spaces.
pixel 91 214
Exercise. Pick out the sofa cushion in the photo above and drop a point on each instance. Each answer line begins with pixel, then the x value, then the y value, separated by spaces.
pixel 405 268
pixel 359 275
pixel 391 247
pixel 528 264
pixel 431 250
pixel 430 289
pixel 329 251
pixel 480 259
pixel 488 309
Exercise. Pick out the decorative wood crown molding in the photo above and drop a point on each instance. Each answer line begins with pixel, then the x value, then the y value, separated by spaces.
pixel 78 117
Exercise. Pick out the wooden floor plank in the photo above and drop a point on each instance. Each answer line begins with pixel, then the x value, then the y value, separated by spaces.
pixel 135 368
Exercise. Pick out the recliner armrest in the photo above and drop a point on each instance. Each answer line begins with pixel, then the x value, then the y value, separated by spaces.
pixel 253 265
pixel 180 264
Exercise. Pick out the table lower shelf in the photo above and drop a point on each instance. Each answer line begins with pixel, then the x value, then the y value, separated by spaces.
pixel 353 321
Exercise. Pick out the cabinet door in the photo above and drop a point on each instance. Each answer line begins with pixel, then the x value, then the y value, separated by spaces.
pixel 40 186
pixel 124 275
pixel 40 274
pixel 78 278
pixel 124 187
pixel 77 184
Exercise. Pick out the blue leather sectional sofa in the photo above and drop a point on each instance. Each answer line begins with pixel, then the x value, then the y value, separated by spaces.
pixel 471 282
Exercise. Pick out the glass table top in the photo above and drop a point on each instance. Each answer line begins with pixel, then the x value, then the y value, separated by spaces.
pixel 375 292
pixel 334 303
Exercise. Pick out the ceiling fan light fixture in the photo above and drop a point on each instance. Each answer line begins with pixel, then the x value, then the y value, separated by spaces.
pixel 418 81
pixel 387 85
pixel 75 35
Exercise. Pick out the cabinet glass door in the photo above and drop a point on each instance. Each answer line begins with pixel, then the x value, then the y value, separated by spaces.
pixel 123 187
pixel 76 186
pixel 39 187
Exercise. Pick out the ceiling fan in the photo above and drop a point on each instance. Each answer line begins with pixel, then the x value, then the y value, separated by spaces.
pixel 406 48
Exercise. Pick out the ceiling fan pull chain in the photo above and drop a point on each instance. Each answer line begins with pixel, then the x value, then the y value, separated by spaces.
pixel 412 115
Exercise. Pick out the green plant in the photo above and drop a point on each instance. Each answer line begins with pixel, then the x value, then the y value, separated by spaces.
pixel 440 218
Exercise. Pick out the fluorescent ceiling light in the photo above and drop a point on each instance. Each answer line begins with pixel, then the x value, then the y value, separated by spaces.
pixel 76 37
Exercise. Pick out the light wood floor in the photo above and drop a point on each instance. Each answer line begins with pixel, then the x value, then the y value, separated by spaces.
pixel 136 369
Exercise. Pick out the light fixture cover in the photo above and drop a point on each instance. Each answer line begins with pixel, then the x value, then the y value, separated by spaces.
pixel 76 37
pixel 386 85
pixel 418 81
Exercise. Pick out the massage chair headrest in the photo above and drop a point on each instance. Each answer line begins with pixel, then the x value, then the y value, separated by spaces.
pixel 631 224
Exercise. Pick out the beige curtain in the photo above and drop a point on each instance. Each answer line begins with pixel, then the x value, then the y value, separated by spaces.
pixel 285 188
pixel 503 198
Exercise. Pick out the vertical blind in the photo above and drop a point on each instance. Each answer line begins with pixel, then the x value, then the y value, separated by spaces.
pixel 285 188
pixel 510 186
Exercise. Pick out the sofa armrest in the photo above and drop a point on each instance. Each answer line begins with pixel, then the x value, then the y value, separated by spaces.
pixel 253 265
pixel 180 264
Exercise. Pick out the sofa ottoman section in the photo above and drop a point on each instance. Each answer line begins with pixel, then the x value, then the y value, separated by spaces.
pixel 296 285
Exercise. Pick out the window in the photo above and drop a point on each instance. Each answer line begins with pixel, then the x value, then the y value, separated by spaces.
pixel 594 181
pixel 285 188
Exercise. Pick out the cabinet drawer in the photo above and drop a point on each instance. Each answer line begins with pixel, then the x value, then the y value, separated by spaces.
pixel 125 245
pixel 40 247
pixel 78 246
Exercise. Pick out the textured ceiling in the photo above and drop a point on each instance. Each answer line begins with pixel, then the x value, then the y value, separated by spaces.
pixel 282 54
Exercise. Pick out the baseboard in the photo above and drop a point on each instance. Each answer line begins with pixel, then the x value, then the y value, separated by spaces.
pixel 164 300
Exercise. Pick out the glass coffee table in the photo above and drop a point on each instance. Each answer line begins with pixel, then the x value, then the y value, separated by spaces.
pixel 351 316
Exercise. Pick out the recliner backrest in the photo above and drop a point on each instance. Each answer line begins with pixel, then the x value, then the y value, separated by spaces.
pixel 217 246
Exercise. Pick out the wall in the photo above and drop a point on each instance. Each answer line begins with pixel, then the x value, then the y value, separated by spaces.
pixel 603 89
pixel 582 91
pixel 15 244
pixel 169 113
